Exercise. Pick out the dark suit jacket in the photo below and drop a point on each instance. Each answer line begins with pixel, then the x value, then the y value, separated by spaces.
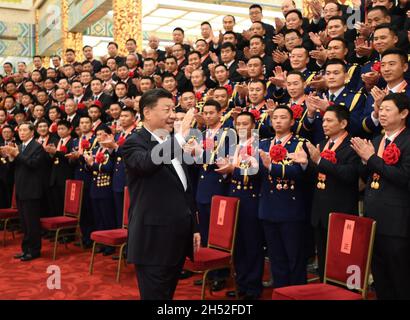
pixel 390 204
pixel 62 169
pixel 161 222
pixel 30 171
pixel 342 188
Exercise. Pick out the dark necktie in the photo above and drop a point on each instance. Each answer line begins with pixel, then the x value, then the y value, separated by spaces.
pixel 331 144
pixel 387 142
pixel 277 141
pixel 23 146
pixel 332 97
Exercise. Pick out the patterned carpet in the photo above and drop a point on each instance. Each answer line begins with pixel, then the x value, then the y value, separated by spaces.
pixel 28 280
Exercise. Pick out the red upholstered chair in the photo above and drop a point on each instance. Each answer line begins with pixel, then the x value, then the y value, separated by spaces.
pixel 8 214
pixel 114 237
pixel 348 256
pixel 72 212
pixel 221 241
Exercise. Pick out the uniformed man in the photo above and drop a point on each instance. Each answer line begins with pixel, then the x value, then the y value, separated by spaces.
pixel 127 123
pixel 242 169
pixel 83 145
pixel 281 202
pixel 101 163
pixel 393 67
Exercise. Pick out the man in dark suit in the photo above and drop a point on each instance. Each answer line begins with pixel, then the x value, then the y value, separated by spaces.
pixel 334 169
pixel 387 174
pixel 29 159
pixel 162 227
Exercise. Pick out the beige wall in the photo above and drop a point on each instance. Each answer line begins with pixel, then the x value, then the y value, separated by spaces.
pixel 12 15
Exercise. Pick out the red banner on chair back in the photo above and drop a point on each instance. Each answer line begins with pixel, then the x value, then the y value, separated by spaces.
pixel 72 194
pixel 347 236
pixel 221 213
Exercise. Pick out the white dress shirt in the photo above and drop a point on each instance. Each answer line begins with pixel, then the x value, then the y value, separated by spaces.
pixel 175 162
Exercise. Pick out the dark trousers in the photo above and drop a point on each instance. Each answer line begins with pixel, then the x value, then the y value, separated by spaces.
pixel 119 207
pixel 391 267
pixel 321 241
pixel 86 220
pixel 56 199
pixel 286 250
pixel 104 213
pixel 249 257
pixel 29 212
pixel 204 218
pixel 158 282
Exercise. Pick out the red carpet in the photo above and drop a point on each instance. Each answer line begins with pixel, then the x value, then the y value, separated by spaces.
pixel 28 280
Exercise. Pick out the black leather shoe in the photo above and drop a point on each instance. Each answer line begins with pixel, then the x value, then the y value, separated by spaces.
pixel 185 274
pixel 198 282
pixel 218 285
pixel 99 250
pixel 19 255
pixel 108 252
pixel 29 257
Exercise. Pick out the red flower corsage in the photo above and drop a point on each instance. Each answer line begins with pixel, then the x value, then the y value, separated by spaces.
pixel 329 155
pixel 62 108
pixel 121 141
pixel 297 111
pixel 246 151
pixel 229 89
pixel 376 66
pixel 85 144
pixel 53 127
pixel 10 118
pixel 198 96
pixel 100 157
pixel 131 74
pixel 80 106
pixel 278 153
pixel 208 144
pixel 391 154
pixel 63 149
pixel 256 113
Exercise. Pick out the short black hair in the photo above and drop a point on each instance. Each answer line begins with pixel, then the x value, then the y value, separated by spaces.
pixel 255 6
pixel 298 73
pixel 232 33
pixel 341 19
pixel 70 50
pixel 64 123
pixel 289 31
pixel 195 52
pixel 397 51
pixel 382 9
pixel 86 46
pixel 206 23
pixel 42 121
pixel 340 39
pixel 257 37
pixel 128 109
pixel 171 57
pixel 299 14
pixel 150 99
pixel 214 103
pixel 229 45
pixel 341 112
pixel 179 29
pixel 401 100
pixel 112 43
pixel 386 26
pixel 131 40
pixel 164 76
pixel 285 107
pixel 247 113
pixel 336 61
